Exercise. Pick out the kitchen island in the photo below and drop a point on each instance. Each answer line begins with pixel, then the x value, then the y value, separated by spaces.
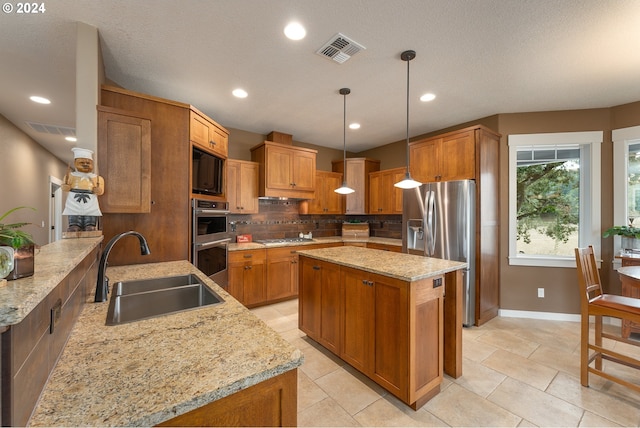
pixel 384 313
pixel 172 369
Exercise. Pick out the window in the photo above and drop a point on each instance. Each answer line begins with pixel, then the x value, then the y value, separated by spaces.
pixel 626 179
pixel 554 197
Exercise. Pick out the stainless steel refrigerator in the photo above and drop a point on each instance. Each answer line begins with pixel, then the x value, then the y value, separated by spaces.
pixel 438 220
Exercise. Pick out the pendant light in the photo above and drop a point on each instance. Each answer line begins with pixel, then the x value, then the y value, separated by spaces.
pixel 344 189
pixel 408 182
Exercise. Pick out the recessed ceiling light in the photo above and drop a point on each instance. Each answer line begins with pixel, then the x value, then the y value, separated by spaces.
pixel 240 93
pixel 39 100
pixel 295 31
pixel 354 126
pixel 428 97
pixel 72 139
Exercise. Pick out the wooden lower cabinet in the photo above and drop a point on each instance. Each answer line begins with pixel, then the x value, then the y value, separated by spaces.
pixel 263 276
pixel 246 276
pixel 390 330
pixel 282 273
pixel 271 403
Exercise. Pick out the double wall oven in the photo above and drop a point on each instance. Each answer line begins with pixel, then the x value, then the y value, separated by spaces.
pixel 210 239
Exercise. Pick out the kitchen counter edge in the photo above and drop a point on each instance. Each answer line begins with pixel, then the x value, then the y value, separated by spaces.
pixel 405 267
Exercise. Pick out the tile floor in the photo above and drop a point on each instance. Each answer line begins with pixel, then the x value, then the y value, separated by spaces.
pixel 516 372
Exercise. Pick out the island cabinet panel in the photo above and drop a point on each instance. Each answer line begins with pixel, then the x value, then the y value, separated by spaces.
pixel 271 403
pixel 320 313
pixel 31 348
pixel 389 329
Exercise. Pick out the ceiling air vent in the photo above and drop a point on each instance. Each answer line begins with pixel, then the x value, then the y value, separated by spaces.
pixel 52 129
pixel 340 48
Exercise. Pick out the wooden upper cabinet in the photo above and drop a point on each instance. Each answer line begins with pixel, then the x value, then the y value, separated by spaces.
pixel 384 197
pixel 444 158
pixel 357 177
pixel 124 161
pixel 285 171
pixel 327 201
pixel 207 134
pixel 242 186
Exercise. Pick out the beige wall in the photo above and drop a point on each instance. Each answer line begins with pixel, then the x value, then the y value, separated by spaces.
pixel 25 167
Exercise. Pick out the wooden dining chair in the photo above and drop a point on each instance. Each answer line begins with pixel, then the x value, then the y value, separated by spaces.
pixel 593 302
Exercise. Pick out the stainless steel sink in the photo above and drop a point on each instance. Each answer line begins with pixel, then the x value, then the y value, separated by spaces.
pixel 140 299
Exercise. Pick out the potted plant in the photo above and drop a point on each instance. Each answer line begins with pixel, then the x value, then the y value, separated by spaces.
pixel 21 245
pixel 630 236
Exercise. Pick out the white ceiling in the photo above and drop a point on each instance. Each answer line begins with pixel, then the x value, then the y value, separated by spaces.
pixel 480 57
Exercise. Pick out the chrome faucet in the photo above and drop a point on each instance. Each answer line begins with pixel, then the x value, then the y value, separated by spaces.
pixel 102 285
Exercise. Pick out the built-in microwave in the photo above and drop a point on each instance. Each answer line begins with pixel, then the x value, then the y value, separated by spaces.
pixel 208 173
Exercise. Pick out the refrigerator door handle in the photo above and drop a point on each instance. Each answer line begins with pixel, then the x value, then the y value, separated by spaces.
pixel 430 220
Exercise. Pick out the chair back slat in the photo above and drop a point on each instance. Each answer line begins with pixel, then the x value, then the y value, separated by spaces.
pixel 588 275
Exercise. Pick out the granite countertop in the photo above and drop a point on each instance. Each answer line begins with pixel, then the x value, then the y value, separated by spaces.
pixel 406 267
pixel 52 263
pixel 315 241
pixel 146 372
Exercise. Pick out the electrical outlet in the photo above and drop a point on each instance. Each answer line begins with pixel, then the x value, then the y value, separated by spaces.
pixel 541 292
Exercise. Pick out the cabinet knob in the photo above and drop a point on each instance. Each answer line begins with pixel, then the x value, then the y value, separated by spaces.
pixel 248 256
pixel 316 268
pixel 213 143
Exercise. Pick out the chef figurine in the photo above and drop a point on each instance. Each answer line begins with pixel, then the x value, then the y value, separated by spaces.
pixel 84 187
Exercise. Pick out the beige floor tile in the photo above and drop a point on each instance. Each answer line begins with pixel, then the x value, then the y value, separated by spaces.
pixel 591 420
pixel 602 403
pixel 326 413
pixel 283 323
pixel 319 362
pixel 564 361
pixel 509 341
pixel 352 394
pixel 476 350
pixel 266 313
pixel 479 379
pixel 388 411
pixel 520 368
pixel 308 392
pixel 458 406
pixel 536 406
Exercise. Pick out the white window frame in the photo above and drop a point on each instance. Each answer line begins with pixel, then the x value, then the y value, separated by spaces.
pixel 621 138
pixel 590 172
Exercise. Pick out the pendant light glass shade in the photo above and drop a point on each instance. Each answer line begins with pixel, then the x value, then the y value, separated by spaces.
pixel 344 189
pixel 408 182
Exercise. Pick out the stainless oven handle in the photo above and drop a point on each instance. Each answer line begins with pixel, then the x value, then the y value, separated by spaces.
pixel 212 243
pixel 206 211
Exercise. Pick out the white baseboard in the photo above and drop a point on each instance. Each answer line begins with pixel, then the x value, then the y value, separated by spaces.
pixel 551 316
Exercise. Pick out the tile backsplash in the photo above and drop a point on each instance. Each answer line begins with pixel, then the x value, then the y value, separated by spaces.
pixel 281 219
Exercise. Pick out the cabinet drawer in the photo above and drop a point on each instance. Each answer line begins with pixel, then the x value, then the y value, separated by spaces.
pixel 247 256
pixel 282 252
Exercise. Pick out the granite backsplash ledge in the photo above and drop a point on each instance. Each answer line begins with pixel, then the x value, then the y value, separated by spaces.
pixel 281 219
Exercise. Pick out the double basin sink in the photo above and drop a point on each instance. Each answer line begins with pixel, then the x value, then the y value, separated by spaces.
pixel 147 298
